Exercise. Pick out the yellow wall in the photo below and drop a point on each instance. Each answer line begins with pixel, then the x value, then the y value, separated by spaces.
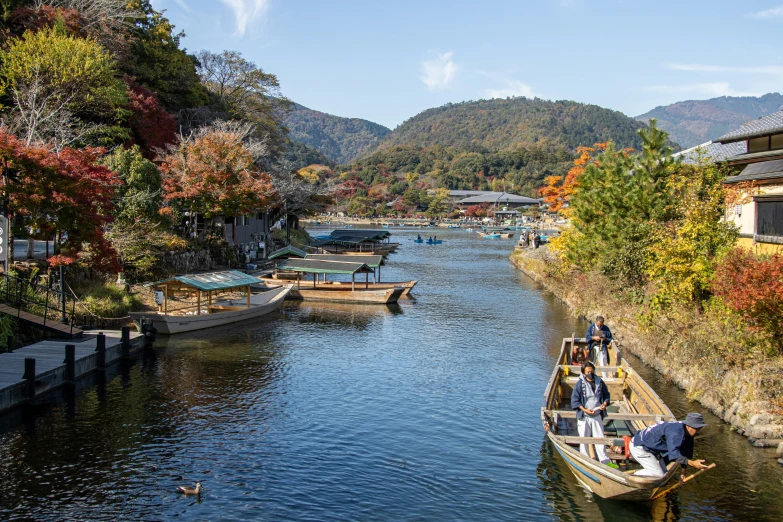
pixel 760 248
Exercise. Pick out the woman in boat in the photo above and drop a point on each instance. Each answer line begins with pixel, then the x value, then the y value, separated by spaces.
pixel 590 399
pixel 655 446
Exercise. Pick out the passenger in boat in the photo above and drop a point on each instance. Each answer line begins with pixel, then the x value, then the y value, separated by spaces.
pixel 418 237
pixel 655 446
pixel 590 399
pixel 599 336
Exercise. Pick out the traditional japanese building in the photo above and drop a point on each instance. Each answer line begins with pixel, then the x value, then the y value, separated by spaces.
pixel 759 182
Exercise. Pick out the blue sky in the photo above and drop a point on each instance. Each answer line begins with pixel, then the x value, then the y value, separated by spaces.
pixel 386 61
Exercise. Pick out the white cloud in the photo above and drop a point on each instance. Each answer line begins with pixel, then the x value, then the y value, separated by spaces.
pixel 775 12
pixel 439 72
pixel 246 12
pixel 185 7
pixel 713 89
pixel 697 67
pixel 513 88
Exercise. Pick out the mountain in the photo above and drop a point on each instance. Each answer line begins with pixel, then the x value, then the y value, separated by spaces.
pixel 297 155
pixel 341 139
pixel 694 122
pixel 503 124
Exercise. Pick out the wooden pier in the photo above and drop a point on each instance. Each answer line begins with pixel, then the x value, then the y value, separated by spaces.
pixel 33 370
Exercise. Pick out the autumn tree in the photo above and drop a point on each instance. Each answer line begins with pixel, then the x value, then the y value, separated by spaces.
pixel 213 172
pixel 65 193
pixel 63 88
pixel 559 189
pixel 151 127
pixel 752 285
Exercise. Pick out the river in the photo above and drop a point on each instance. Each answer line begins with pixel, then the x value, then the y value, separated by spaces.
pixel 428 410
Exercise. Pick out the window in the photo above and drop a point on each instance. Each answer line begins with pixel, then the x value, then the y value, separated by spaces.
pixel 769 218
pixel 758 144
pixel 777 141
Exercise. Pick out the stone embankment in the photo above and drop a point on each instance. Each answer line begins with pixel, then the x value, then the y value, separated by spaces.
pixel 738 395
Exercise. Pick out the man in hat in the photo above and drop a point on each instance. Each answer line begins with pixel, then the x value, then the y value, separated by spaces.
pixel 655 446
pixel 599 336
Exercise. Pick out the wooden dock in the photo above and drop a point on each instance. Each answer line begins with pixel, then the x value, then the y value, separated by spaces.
pixel 61 330
pixel 33 370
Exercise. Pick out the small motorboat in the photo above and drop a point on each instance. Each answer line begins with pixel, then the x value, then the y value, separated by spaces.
pixel 491 236
pixel 419 240
pixel 435 242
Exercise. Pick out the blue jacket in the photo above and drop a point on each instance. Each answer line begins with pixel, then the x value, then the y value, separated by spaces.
pixel 668 440
pixel 579 396
pixel 591 332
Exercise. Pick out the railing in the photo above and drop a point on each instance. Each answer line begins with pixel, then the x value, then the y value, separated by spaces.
pixel 43 301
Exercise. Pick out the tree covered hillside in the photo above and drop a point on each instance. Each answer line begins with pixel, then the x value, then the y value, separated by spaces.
pixel 341 139
pixel 694 122
pixel 502 124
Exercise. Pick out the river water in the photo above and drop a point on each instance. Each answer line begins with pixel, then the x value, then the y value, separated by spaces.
pixel 428 410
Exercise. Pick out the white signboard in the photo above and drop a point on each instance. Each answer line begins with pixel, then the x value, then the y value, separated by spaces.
pixel 4 234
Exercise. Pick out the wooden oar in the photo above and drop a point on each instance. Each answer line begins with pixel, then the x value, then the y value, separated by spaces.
pixel 682 482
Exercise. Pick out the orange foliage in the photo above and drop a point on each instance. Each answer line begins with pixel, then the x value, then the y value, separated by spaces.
pixel 558 191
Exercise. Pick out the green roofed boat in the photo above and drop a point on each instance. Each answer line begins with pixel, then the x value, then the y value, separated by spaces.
pixel 347 292
pixel 194 302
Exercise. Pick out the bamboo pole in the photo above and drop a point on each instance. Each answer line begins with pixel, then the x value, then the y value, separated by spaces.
pixel 683 481
pixel 198 303
pixel 248 296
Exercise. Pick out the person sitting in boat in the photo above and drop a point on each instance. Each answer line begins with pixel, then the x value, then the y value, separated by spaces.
pixel 655 446
pixel 579 355
pixel 418 237
pixel 590 399
pixel 429 239
pixel 599 336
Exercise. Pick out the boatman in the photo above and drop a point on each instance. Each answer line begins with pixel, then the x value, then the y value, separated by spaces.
pixel 655 446
pixel 590 399
pixel 599 336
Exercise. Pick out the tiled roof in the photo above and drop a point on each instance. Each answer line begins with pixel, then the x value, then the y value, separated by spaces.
pixel 499 197
pixel 759 171
pixel 745 158
pixel 761 127
pixel 712 152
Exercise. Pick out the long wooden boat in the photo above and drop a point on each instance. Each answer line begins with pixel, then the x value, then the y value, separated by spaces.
pixel 220 313
pixel 634 405
pixel 337 294
pixel 276 279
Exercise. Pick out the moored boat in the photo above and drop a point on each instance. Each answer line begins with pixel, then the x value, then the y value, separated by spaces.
pixel 351 291
pixel 209 309
pixel 634 406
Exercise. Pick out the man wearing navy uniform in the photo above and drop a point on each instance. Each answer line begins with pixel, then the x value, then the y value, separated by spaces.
pixel 655 446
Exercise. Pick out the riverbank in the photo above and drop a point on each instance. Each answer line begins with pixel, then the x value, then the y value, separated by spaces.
pixel 689 353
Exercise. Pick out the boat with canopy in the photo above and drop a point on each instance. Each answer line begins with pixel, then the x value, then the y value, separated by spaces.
pixel 351 291
pixel 198 301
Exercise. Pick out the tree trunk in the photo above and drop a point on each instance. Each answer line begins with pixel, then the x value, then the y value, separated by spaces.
pixel 30 247
pixel 208 223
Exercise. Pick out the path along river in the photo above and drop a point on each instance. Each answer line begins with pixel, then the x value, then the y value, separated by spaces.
pixel 424 411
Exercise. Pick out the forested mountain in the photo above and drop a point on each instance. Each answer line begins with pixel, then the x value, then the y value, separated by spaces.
pixel 694 122
pixel 298 156
pixel 341 139
pixel 502 124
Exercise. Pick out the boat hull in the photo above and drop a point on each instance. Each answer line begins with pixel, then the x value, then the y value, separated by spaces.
pixel 343 285
pixel 175 324
pixel 339 295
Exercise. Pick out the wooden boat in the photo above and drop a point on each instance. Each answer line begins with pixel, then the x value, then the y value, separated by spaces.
pixel 491 236
pixel 634 406
pixel 344 295
pixel 209 312
pixel 349 292
pixel 407 286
